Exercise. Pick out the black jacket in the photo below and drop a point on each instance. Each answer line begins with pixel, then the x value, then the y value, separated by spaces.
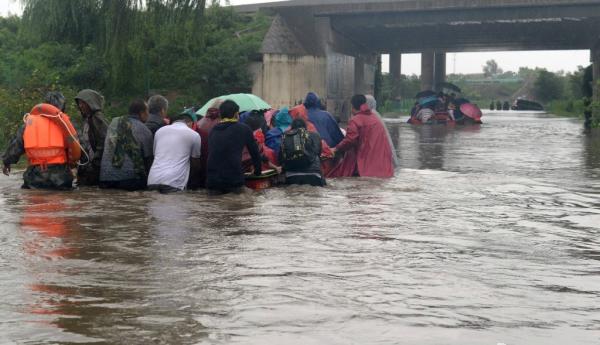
pixel 154 123
pixel 226 142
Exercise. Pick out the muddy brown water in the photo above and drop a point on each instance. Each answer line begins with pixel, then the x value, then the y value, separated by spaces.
pixel 486 235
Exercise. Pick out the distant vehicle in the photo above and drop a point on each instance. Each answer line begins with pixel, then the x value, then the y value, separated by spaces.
pixel 523 104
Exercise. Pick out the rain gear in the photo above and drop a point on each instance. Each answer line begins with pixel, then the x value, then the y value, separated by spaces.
pixel 327 162
pixel 283 120
pixel 372 103
pixel 92 137
pixel 368 153
pixel 325 123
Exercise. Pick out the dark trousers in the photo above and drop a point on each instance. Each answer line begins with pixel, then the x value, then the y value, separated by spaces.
pixel 128 185
pixel 306 179
pixel 163 188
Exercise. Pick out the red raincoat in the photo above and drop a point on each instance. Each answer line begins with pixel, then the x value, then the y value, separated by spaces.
pixel 204 126
pixel 367 149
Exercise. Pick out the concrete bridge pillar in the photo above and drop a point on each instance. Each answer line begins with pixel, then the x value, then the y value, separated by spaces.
pixel 396 72
pixel 595 58
pixel 427 70
pixel 440 69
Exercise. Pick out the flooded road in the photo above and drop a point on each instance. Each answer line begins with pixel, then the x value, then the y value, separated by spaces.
pixel 486 235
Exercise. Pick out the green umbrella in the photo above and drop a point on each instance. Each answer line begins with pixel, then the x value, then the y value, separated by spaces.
pixel 246 102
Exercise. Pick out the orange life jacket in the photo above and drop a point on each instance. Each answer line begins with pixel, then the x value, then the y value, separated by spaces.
pixel 49 137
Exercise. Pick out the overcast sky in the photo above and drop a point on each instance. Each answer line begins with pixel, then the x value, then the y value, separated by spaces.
pixel 456 62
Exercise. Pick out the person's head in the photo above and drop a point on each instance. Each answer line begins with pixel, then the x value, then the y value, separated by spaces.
pixel 188 116
pixel 57 99
pixel 229 109
pixel 357 101
pixel 89 101
pixel 139 108
pixel 312 101
pixel 371 102
pixel 283 119
pixel 158 104
pixel 298 123
pixel 254 119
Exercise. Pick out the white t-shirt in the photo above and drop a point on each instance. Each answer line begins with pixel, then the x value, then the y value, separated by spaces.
pixel 173 147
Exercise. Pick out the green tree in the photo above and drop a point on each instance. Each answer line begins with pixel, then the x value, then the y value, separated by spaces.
pixel 548 86
pixel 491 69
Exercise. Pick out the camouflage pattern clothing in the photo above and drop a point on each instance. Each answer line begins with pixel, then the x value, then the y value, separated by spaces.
pixel 129 145
pixel 55 176
pixel 92 137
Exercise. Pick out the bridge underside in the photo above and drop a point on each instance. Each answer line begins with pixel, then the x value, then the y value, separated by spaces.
pixel 348 36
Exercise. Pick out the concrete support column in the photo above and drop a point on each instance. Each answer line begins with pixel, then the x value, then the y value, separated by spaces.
pixel 427 70
pixel 440 69
pixel 595 114
pixel 359 75
pixel 395 73
pixel 595 58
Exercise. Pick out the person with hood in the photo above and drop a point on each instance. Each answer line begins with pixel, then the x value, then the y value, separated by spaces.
pixel 128 150
pixel 282 122
pixel 45 139
pixel 226 142
pixel 325 123
pixel 158 107
pixel 368 153
pixel 93 135
pixel 204 127
pixel 372 103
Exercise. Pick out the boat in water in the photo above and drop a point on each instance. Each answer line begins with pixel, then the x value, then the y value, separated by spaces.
pixel 524 104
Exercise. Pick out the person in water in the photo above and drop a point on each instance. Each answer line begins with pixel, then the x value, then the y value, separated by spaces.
pixel 204 127
pixel 368 152
pixel 282 122
pixel 323 121
pixel 307 168
pixel 128 150
pixel 93 135
pixel 226 142
pixel 158 107
pixel 176 155
pixel 372 103
pixel 45 142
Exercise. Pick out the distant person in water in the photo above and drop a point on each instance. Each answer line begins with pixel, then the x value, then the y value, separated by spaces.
pixel 323 121
pixel 367 150
pixel 225 145
pixel 45 142
pixel 128 150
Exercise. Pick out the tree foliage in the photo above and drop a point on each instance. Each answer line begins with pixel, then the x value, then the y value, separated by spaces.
pixel 549 86
pixel 125 49
pixel 491 69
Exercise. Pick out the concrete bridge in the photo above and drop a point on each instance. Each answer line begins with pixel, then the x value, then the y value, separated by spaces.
pixel 332 46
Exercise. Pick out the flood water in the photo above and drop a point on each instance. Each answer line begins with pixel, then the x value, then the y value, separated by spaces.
pixel 486 235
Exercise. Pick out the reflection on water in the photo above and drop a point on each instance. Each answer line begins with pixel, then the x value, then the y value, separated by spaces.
pixel 486 235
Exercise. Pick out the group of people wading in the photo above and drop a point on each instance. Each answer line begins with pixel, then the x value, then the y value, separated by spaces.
pixel 147 149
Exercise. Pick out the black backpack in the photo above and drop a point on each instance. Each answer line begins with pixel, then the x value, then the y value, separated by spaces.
pixel 294 151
